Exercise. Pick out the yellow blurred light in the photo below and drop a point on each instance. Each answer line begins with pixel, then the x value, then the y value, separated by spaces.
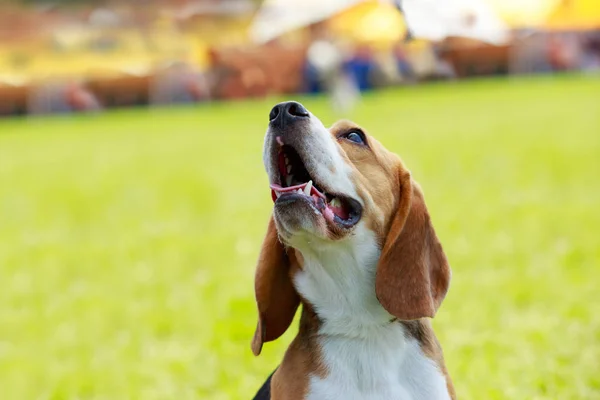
pixel 523 13
pixel 372 22
pixel 575 14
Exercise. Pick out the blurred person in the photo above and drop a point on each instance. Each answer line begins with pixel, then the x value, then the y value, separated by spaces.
pixel 80 99
pixel 59 98
pixel 179 83
pixel 361 67
pixel 591 53
pixel 530 53
pixel 312 79
pixel 325 59
pixel 48 99
pixel 403 65
pixel 385 71
pixel 427 62
pixel 442 68
pixel 564 52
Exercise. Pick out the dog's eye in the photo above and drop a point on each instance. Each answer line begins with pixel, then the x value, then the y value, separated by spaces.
pixel 355 137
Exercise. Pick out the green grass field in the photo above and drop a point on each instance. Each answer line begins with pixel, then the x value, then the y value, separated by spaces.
pixel 128 242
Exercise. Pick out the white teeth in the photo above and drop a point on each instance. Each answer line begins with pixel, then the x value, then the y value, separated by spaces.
pixel 299 191
pixel 289 168
pixel 288 180
pixel 335 202
pixel 286 160
pixel 308 188
pixel 278 194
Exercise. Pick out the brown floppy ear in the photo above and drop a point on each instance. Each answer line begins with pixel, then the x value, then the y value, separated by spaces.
pixel 413 274
pixel 276 297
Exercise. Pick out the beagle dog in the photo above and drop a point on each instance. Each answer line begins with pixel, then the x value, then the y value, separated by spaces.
pixel 351 240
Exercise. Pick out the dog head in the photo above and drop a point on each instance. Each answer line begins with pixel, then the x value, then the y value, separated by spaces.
pixel 328 185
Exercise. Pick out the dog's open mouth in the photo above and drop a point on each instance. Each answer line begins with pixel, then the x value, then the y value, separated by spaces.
pixel 296 183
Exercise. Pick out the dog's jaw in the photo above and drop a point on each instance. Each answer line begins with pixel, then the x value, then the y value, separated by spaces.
pixel 321 157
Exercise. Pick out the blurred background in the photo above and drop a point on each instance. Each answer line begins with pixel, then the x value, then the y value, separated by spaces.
pixel 133 200
pixel 75 56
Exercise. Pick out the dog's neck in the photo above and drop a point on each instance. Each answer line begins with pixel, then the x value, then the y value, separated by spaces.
pixel 361 351
pixel 363 354
pixel 338 281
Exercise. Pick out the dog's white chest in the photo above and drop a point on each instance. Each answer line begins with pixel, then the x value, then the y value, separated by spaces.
pixel 366 357
pixel 389 367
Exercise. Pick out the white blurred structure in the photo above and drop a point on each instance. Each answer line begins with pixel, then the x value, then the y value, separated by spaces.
pixel 426 19
pixel 327 58
pixel 436 20
pixel 276 17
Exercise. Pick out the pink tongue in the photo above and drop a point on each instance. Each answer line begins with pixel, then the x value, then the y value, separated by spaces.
pixel 330 211
pixel 339 211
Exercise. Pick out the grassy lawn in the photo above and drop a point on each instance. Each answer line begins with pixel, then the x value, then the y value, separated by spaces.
pixel 128 242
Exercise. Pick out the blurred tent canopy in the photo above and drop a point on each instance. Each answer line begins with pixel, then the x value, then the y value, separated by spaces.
pixel 437 20
pixel 373 22
pixel 277 17
pixel 381 21
pixel 128 54
pixel 574 15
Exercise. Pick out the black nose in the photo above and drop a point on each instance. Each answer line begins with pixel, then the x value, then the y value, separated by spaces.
pixel 287 112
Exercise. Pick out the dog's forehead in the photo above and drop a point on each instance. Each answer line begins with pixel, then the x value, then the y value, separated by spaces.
pixel 342 125
pixel 377 149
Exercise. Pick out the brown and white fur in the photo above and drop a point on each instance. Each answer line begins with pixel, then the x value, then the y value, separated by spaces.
pixel 367 286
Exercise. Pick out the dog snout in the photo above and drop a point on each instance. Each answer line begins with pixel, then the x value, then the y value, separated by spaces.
pixel 288 112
